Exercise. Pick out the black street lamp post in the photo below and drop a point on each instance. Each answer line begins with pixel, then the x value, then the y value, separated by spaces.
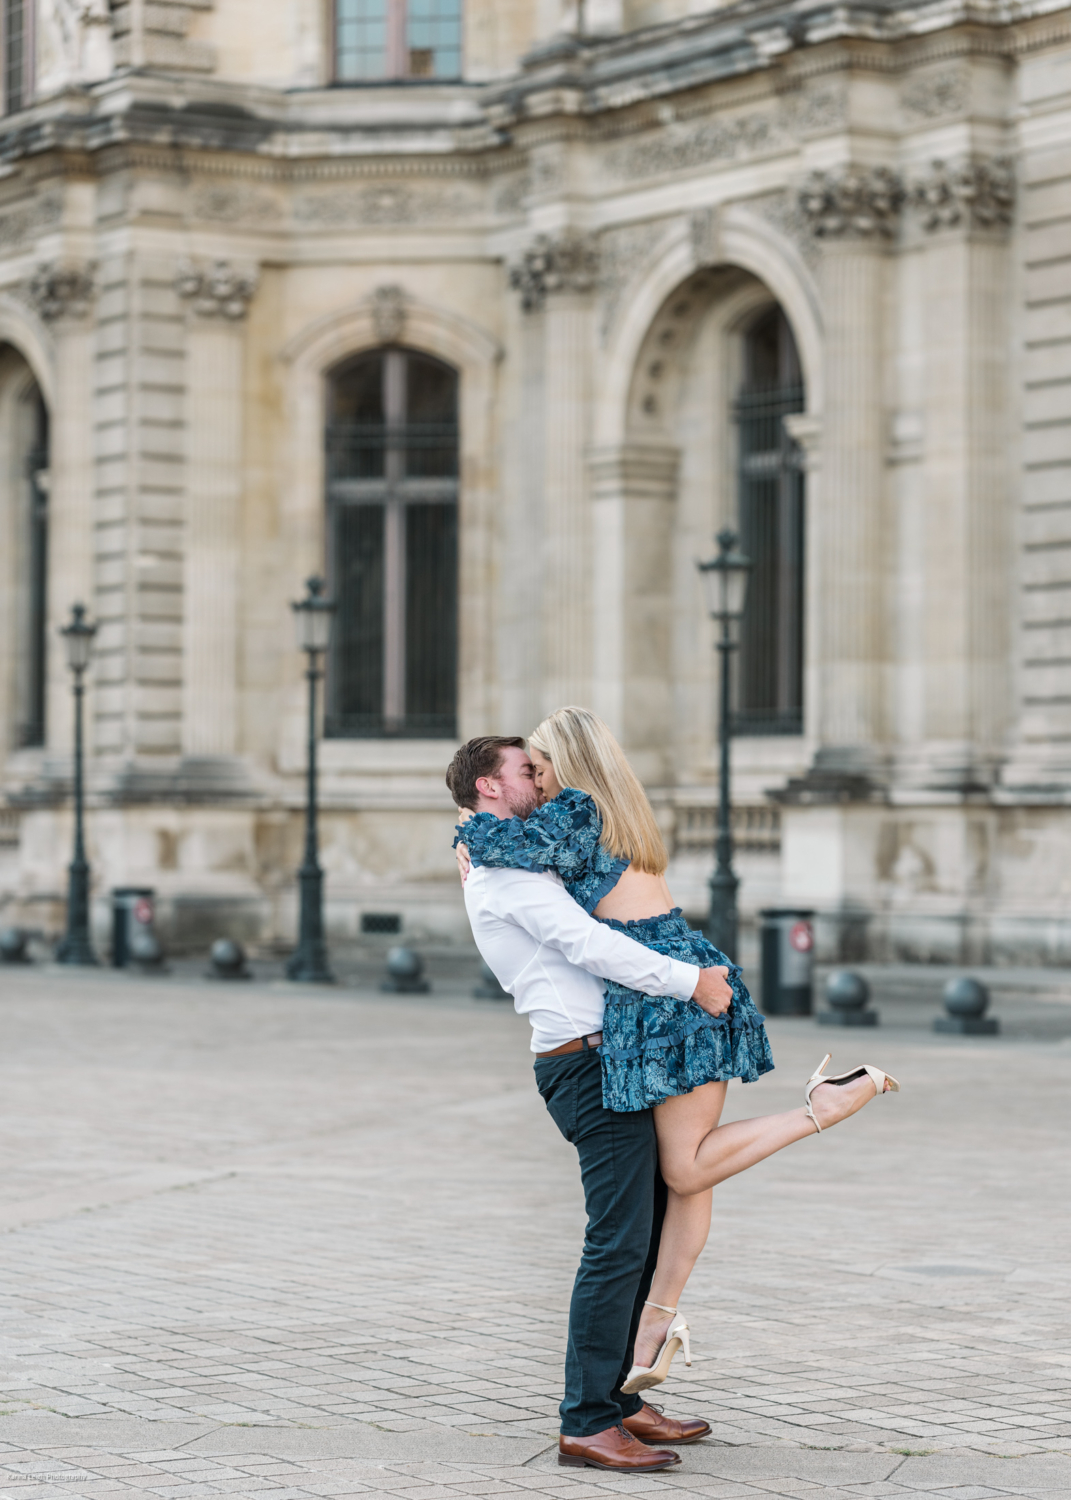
pixel 76 947
pixel 725 578
pixel 313 617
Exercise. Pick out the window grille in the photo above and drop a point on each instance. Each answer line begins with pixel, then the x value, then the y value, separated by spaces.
pixel 769 683
pixel 380 40
pixel 392 486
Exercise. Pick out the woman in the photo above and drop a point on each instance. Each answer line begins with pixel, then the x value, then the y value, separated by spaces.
pixel 597 830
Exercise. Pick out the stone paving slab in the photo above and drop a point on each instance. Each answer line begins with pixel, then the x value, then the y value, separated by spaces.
pixel 275 1241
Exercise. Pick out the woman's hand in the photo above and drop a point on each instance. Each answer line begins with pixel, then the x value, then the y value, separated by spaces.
pixel 464 863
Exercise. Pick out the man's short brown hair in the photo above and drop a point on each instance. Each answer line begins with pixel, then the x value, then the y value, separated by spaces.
pixel 479 757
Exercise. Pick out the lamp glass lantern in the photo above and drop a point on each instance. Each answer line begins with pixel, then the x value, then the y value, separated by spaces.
pixel 313 618
pixel 725 580
pixel 78 638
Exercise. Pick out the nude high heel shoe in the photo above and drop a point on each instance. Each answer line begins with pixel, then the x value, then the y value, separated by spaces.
pixel 883 1082
pixel 642 1377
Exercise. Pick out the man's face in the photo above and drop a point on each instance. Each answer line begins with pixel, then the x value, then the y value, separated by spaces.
pixel 511 792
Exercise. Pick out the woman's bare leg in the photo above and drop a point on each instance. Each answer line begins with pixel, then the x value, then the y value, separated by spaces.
pixel 693 1158
pixel 695 1154
pixel 685 1230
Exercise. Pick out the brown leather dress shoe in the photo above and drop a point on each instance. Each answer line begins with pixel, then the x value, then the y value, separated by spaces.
pixel 613 1449
pixel 651 1426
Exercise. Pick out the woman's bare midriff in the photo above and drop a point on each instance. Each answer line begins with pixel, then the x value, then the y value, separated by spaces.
pixel 636 896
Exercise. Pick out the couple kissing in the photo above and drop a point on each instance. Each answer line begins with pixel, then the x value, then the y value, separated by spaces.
pixel 638 1023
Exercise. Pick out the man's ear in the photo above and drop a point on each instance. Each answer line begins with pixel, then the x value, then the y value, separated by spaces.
pixel 487 787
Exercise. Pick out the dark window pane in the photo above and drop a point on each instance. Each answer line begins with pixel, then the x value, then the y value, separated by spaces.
pixel 32 727
pixel 431 618
pixel 431 428
pixel 769 686
pixel 356 434
pixel 355 685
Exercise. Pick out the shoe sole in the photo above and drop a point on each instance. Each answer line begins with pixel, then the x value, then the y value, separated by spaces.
pixel 567 1461
pixel 673 1442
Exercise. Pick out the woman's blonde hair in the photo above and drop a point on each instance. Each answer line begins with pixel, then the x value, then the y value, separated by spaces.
pixel 586 756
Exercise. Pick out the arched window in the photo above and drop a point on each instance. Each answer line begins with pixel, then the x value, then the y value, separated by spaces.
pixel 378 40
pixel 771 499
pixel 392 465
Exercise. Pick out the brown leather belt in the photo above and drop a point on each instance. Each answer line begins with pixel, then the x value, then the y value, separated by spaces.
pixel 581 1044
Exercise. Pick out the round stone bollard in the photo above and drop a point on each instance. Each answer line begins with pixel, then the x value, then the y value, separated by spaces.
pixel 489 987
pixel 145 952
pixel 228 960
pixel 405 973
pixel 847 994
pixel 966 1002
pixel 13 946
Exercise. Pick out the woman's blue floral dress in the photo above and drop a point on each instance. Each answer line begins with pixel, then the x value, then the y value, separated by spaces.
pixel 653 1047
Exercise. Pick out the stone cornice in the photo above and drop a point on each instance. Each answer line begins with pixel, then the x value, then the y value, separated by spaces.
pixel 607 83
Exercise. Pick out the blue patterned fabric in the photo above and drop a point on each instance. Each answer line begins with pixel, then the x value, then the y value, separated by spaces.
pixel 653 1048
pixel 562 835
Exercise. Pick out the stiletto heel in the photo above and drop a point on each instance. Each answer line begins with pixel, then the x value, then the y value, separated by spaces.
pixel 642 1377
pixel 883 1083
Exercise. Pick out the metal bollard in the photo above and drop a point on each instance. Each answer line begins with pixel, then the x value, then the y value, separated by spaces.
pixel 847 994
pixel 405 973
pixel 966 1002
pixel 228 960
pixel 13 946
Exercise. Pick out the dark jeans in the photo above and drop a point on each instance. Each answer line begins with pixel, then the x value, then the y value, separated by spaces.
pixel 626 1200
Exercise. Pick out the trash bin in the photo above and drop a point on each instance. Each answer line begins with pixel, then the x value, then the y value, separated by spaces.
pixel 787 961
pixel 132 909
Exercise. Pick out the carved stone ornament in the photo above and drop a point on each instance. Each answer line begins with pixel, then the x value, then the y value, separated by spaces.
pixel 215 291
pixel 388 313
pixel 977 194
pixel 57 291
pixel 856 202
pixel 567 264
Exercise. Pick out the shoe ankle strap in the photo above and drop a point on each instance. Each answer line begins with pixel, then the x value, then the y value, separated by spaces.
pixel 660 1307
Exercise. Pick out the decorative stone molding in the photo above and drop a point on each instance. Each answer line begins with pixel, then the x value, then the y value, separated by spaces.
pixel 388 313
pixel 977 194
pixel 932 96
pixel 215 291
pixel 855 203
pixel 569 263
pixel 57 290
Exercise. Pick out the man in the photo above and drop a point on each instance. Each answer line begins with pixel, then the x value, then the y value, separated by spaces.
pixel 552 957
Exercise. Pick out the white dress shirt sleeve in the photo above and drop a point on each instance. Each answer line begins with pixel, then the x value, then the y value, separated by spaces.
pixel 551 916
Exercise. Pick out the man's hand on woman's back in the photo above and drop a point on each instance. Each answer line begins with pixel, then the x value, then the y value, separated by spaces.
pixel 712 993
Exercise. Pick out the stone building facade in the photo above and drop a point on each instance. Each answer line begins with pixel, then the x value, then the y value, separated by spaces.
pixel 494 313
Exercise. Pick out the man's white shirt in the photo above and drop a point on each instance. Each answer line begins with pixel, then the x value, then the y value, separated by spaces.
pixel 552 957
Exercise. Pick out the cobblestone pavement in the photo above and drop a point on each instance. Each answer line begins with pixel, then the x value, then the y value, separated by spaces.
pixel 265 1241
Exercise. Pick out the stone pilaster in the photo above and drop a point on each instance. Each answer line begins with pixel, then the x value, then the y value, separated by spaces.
pixel 634 490
pixel 138 378
pixel 217 297
pixel 955 552
pixel 63 293
pixel 854 212
pixel 556 279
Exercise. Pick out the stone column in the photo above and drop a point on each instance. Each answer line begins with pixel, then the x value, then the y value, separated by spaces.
pixel 64 296
pixel 962 534
pixel 854 212
pixel 556 279
pixel 218 298
pixel 634 490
